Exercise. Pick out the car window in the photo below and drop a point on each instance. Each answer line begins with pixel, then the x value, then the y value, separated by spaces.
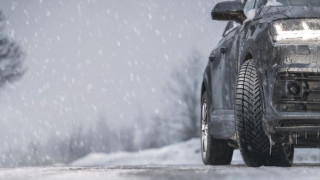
pixel 249 4
pixel 260 3
pixel 230 27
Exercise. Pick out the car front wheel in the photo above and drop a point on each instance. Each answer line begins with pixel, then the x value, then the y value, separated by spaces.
pixel 253 142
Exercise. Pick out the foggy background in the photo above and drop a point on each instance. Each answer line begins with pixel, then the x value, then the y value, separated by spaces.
pixel 102 75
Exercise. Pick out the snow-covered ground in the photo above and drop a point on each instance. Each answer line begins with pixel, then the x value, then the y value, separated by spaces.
pixel 181 153
pixel 179 161
pixel 184 153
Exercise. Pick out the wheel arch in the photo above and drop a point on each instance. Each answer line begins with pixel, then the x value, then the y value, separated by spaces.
pixel 247 57
pixel 203 88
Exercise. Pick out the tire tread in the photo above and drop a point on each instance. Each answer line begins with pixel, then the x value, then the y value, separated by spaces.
pixel 253 143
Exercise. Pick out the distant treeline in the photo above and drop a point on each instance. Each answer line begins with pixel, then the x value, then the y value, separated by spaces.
pixel 178 121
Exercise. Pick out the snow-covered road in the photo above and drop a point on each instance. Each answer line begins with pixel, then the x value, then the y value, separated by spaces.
pixel 181 161
pixel 176 172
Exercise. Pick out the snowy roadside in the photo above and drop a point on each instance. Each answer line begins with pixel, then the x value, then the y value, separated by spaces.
pixel 184 153
pixel 181 153
pixel 177 161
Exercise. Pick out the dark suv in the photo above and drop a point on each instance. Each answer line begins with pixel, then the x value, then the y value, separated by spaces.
pixel 261 87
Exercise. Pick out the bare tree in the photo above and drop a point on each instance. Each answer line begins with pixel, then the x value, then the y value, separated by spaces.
pixel 157 132
pixel 11 56
pixel 183 104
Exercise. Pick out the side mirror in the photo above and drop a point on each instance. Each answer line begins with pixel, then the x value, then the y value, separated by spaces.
pixel 229 11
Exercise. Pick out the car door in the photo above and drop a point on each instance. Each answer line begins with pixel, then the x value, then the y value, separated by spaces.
pixel 223 76
pixel 224 70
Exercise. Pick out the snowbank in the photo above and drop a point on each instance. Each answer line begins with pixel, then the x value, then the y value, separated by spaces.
pixel 184 153
pixel 181 153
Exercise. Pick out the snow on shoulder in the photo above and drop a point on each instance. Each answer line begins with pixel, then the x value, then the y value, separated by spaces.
pixel 177 154
pixel 184 153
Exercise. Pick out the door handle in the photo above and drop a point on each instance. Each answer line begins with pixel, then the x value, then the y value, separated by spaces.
pixel 211 58
pixel 223 50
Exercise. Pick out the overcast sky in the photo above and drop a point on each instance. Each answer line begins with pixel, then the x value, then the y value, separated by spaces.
pixel 92 58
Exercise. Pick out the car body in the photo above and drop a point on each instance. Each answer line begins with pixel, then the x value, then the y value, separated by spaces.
pixel 283 41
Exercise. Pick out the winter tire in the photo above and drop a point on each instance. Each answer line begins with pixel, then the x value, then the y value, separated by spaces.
pixel 253 142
